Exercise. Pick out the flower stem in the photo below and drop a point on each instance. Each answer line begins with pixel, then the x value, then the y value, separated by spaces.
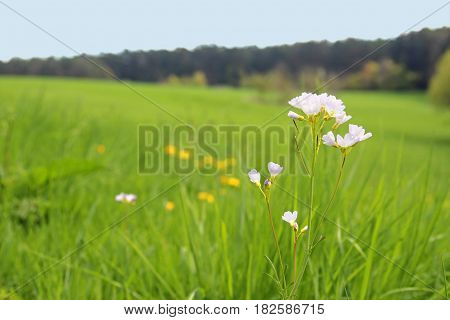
pixel 299 150
pixel 275 238
pixel 295 255
pixel 336 186
pixel 309 252
pixel 295 261
pixel 311 184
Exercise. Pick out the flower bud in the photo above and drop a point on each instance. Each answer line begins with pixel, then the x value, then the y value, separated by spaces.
pixel 267 184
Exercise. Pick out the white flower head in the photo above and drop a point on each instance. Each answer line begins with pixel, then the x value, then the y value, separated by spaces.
pixel 309 103
pixel 120 197
pixel 358 132
pixel 274 169
pixel 126 198
pixel 329 139
pixel 255 176
pixel 130 198
pixel 347 141
pixel 332 105
pixel 295 116
pixel 304 229
pixel 290 217
pixel 342 117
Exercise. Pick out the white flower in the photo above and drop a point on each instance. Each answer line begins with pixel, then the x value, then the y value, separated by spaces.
pixel 347 141
pixel 332 105
pixel 295 116
pixel 290 217
pixel 274 169
pixel 130 198
pixel 342 117
pixel 329 139
pixel 304 229
pixel 309 103
pixel 126 198
pixel 254 176
pixel 358 132
pixel 120 197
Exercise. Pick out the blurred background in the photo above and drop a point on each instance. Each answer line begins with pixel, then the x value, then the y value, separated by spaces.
pixel 69 145
pixel 284 48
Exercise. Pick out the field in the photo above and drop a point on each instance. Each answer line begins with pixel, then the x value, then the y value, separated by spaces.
pixel 69 146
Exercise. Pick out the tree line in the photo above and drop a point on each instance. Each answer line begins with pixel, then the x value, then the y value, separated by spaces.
pixel 412 57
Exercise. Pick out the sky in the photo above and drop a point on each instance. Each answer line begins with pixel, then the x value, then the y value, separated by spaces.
pixel 111 26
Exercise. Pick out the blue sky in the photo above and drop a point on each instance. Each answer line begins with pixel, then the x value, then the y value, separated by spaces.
pixel 112 26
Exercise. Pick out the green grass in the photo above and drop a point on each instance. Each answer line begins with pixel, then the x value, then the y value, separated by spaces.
pixel 57 193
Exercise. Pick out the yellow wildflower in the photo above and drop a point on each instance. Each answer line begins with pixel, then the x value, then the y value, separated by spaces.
pixel 234 182
pixel 210 198
pixel 170 150
pixel 184 154
pixel 169 206
pixel 230 181
pixel 206 196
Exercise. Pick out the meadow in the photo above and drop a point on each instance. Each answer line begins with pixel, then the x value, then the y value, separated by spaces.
pixel 69 146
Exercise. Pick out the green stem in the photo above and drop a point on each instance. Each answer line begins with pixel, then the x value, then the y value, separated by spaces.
pixel 333 195
pixel 295 259
pixel 309 252
pixel 299 150
pixel 311 184
pixel 275 238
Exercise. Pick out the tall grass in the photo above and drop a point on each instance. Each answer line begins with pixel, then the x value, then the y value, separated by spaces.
pixel 386 236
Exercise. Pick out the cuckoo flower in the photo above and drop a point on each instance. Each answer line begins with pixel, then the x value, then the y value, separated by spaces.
pixel 126 198
pixel 274 169
pixel 255 177
pixel 309 103
pixel 356 134
pixel 295 116
pixel 329 139
pixel 290 217
pixel 331 104
pixel 341 117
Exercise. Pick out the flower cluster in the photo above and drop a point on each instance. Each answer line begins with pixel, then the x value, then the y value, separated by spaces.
pixel 274 170
pixel 312 105
pixel 126 198
pixel 356 134
pixel 316 112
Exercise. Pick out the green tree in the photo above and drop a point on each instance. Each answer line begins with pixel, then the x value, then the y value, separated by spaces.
pixel 439 90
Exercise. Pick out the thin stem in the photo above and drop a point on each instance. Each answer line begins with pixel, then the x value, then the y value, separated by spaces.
pixel 309 247
pixel 299 150
pixel 275 238
pixel 338 180
pixel 302 159
pixel 311 184
pixel 295 259
pixel 296 237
